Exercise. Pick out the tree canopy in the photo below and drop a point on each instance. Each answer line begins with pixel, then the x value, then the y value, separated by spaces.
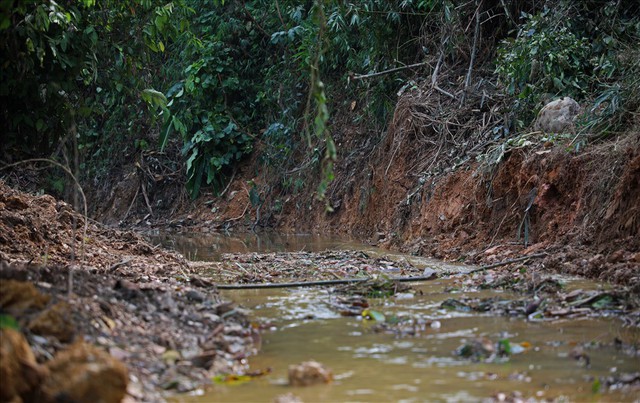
pixel 220 76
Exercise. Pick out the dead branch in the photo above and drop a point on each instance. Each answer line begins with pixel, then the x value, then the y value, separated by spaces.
pixel 506 262
pixel 474 50
pixel 380 73
pixel 317 283
pixel 146 198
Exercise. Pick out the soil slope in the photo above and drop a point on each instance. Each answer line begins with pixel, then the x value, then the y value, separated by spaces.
pixel 140 304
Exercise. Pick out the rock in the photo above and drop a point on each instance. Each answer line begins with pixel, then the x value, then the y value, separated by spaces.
pixel 309 373
pixel 18 296
pixel 478 349
pixel 84 373
pixel 54 321
pixel 596 262
pixel 20 374
pixel 196 296
pixel 616 256
pixel 558 116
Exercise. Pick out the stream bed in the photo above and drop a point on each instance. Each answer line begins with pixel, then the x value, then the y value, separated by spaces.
pixel 425 365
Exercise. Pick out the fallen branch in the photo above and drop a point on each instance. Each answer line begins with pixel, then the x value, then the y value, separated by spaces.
pixel 363 76
pixel 474 49
pixel 318 283
pixel 123 262
pixel 506 262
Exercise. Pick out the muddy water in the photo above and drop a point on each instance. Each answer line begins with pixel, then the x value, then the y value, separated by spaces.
pixel 371 366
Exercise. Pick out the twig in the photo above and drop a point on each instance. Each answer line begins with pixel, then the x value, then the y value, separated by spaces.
pixel 241 215
pixel 380 73
pixel 233 175
pixel 506 262
pixel 434 75
pixel 450 95
pixel 317 283
pixel 474 50
pixel 146 198
pixel 253 20
pixel 135 196
pixel 242 268
pixel 284 26
pixel 124 262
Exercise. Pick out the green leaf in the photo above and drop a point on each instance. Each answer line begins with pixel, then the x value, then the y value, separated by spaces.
pixel 153 97
pixel 370 314
pixel 8 322
pixel 504 346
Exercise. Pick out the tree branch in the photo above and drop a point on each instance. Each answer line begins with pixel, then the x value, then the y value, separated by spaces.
pixel 363 76
pixel 317 283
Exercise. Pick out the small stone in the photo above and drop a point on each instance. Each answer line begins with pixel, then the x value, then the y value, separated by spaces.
pixel 428 272
pixel 196 296
pixel 616 256
pixel 309 373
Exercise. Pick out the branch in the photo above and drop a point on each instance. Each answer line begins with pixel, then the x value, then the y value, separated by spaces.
pixel 363 76
pixel 474 50
pixel 316 283
pixel 506 262
pixel 253 20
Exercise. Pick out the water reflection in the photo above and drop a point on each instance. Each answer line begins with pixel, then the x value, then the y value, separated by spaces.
pixel 209 247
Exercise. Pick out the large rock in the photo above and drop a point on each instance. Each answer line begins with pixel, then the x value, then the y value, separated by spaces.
pixel 20 374
pixel 84 373
pixel 558 116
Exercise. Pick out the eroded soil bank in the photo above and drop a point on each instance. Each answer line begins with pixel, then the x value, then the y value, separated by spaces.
pixel 580 208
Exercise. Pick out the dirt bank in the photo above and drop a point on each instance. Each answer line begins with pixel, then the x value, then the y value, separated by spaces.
pixel 128 302
pixel 501 199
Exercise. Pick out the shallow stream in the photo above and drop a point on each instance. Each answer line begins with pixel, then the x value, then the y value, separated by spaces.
pixel 370 366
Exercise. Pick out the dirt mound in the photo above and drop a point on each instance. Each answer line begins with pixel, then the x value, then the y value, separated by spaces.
pixel 128 300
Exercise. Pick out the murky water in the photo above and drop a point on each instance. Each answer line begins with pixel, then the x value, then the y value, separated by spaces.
pixel 370 367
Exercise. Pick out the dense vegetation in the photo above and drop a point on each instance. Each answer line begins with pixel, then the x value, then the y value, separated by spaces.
pixel 101 81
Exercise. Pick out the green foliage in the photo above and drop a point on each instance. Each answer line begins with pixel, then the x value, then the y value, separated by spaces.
pixel 574 49
pixel 222 75
pixel 80 67
pixel 545 57
pixel 215 102
pixel 8 322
